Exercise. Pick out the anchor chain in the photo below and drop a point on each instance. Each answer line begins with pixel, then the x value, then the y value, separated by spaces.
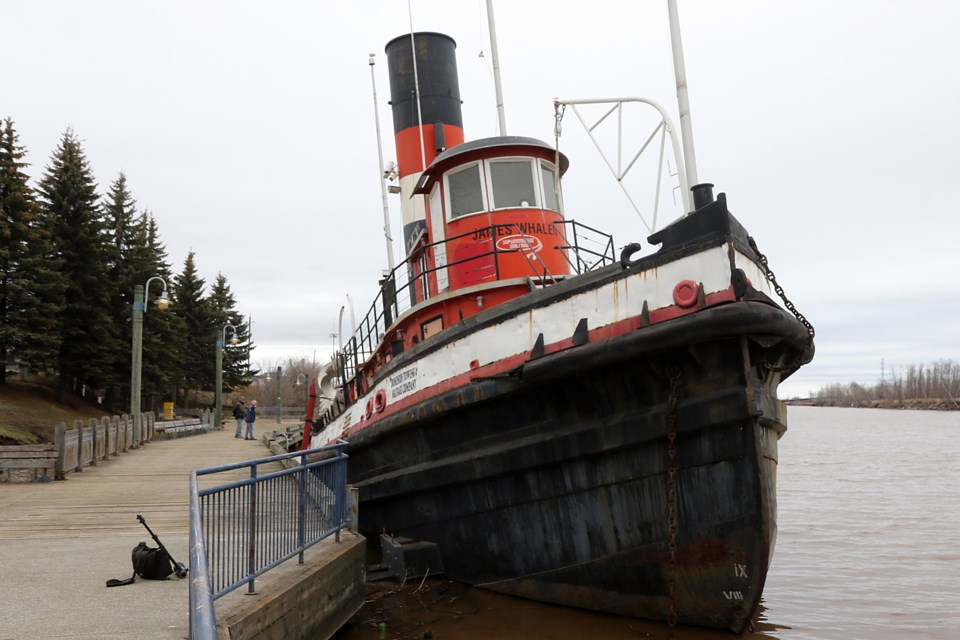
pixel 768 273
pixel 773 280
pixel 674 374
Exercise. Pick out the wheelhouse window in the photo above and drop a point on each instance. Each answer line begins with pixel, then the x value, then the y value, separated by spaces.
pixel 513 184
pixel 465 189
pixel 503 183
pixel 549 178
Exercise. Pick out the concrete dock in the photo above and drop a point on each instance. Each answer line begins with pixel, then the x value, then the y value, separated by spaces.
pixel 61 541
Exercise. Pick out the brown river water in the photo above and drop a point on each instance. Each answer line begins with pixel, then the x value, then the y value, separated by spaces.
pixel 868 549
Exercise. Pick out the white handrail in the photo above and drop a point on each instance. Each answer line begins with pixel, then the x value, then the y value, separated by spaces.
pixel 666 123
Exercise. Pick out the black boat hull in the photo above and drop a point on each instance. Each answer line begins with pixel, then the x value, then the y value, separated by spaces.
pixel 557 482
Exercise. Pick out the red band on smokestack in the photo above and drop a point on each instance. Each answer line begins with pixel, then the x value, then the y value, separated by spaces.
pixel 408 145
pixel 436 70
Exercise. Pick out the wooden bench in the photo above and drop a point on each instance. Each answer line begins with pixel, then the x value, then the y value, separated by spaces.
pixel 25 462
pixel 177 428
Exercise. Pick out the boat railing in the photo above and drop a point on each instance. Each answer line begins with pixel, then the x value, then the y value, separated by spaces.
pixel 242 529
pixel 591 248
pixel 409 284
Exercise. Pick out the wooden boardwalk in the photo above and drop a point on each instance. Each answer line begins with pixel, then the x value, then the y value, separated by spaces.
pixel 61 541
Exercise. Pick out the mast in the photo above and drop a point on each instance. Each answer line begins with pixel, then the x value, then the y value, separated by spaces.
pixel 416 88
pixel 383 178
pixel 501 119
pixel 679 70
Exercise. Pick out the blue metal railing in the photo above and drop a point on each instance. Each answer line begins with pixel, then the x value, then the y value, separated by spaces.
pixel 242 529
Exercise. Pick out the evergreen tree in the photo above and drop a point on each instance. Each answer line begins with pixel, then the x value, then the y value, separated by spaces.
pixel 196 348
pixel 236 357
pixel 68 197
pixel 30 284
pixel 124 264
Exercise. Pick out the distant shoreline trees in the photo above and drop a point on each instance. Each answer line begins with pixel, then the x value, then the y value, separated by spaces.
pixel 935 385
pixel 70 258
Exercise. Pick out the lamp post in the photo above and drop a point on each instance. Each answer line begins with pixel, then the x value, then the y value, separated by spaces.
pixel 141 295
pixel 221 340
pixel 279 405
pixel 306 384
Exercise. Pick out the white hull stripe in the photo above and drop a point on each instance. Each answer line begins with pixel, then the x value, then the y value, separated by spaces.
pixel 611 309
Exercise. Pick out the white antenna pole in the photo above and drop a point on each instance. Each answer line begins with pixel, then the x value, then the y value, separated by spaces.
pixel 496 69
pixel 679 70
pixel 353 317
pixel 383 178
pixel 416 84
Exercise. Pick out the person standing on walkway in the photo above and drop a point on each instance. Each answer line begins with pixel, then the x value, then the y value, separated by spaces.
pixel 239 412
pixel 251 418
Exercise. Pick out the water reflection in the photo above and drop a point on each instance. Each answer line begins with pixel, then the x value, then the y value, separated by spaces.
pixel 762 627
pixel 441 609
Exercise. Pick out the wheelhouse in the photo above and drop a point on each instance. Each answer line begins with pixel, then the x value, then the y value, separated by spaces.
pixel 495 206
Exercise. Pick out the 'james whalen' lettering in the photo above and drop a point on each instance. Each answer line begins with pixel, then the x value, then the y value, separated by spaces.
pixel 517 227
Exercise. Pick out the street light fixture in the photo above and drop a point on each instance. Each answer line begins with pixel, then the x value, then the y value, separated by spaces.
pixel 163 302
pixel 141 295
pixel 218 390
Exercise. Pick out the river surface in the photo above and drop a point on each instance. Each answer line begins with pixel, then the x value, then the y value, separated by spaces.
pixel 868 549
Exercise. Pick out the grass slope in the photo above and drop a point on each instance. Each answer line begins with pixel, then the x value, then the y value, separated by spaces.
pixel 28 413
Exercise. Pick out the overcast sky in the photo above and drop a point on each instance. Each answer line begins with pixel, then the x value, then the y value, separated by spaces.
pixel 248 130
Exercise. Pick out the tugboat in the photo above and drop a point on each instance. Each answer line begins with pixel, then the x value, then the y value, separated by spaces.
pixel 568 424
